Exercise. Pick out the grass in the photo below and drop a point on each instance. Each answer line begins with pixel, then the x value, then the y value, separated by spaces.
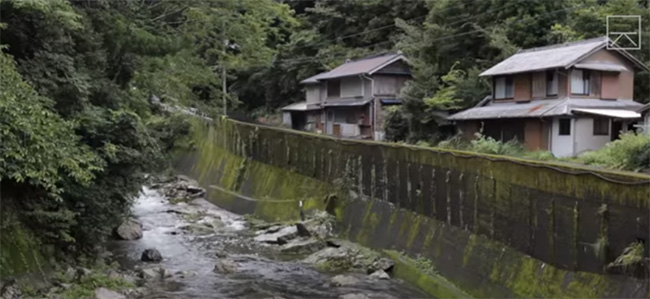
pixel 86 286
pixel 631 256
pixel 630 152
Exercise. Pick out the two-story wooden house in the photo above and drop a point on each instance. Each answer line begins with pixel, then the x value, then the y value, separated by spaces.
pixel 567 98
pixel 349 100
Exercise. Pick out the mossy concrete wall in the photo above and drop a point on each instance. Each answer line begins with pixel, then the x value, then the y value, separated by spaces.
pixel 493 226
pixel 20 253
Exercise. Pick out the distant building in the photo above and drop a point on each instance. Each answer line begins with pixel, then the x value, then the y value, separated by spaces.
pixel 567 98
pixel 349 100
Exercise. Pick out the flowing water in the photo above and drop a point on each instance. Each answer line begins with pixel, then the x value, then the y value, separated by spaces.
pixel 260 273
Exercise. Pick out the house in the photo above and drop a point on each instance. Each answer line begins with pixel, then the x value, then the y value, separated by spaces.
pixel 349 100
pixel 567 98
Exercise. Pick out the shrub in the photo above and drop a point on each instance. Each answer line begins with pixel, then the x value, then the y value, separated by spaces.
pixel 630 152
pixel 489 145
pixel 395 124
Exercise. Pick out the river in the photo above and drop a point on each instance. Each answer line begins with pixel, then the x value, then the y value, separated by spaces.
pixel 260 273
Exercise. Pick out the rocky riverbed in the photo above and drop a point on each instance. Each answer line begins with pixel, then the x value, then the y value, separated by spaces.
pixel 178 245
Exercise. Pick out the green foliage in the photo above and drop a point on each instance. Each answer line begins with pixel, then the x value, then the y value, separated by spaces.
pixel 630 152
pixel 632 255
pixel 395 124
pixel 86 286
pixel 488 145
pixel 38 147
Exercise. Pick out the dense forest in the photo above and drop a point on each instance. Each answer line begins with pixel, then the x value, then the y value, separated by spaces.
pixel 79 130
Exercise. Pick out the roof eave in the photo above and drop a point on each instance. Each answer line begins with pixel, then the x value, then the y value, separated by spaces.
pixel 392 60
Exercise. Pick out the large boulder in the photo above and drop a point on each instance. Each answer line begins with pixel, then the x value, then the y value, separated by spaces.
pixel 280 236
pixel 104 293
pixel 130 229
pixel 384 264
pixel 303 246
pixel 151 255
pixel 380 274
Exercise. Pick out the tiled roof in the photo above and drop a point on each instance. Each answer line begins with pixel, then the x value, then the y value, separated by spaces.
pixel 357 67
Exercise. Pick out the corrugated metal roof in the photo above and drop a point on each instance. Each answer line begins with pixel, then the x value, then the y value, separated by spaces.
pixel 347 103
pixel 357 67
pixel 300 106
pixel 554 56
pixel 644 109
pixel 615 113
pixel 540 108
pixel 602 66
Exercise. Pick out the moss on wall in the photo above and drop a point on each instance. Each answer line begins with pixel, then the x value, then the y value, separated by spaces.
pixel 482 218
pixel 19 252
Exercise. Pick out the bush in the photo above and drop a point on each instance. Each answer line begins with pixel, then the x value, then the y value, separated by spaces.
pixel 489 145
pixel 630 152
pixel 395 124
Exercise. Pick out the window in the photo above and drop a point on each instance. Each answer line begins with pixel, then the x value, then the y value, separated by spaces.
pixel 503 130
pixel 565 127
pixel 504 87
pixel 551 83
pixel 601 127
pixel 333 88
pixel 580 82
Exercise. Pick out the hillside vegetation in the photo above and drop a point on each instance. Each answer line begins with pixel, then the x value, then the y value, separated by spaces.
pixel 79 127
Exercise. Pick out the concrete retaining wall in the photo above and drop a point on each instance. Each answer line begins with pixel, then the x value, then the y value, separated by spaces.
pixel 492 226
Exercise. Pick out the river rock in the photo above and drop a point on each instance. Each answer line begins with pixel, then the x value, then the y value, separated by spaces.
pixel 164 273
pixel 186 274
pixel 354 296
pixel 302 230
pixel 137 292
pixel 10 290
pixel 380 274
pixel 302 246
pixel 130 229
pixel 225 267
pixel 104 293
pixel 284 234
pixel 149 274
pixel 151 255
pixel 320 225
pixel 384 264
pixel 82 272
pixel 343 280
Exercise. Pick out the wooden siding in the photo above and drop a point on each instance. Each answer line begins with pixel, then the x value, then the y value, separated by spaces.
pixel 522 87
pixel 312 93
pixel 386 85
pixel 351 87
pixel 625 78
pixel 539 85
pixel 536 134
pixel 398 67
pixel 610 85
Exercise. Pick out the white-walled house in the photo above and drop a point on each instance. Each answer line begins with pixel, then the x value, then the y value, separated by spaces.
pixel 349 100
pixel 567 98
